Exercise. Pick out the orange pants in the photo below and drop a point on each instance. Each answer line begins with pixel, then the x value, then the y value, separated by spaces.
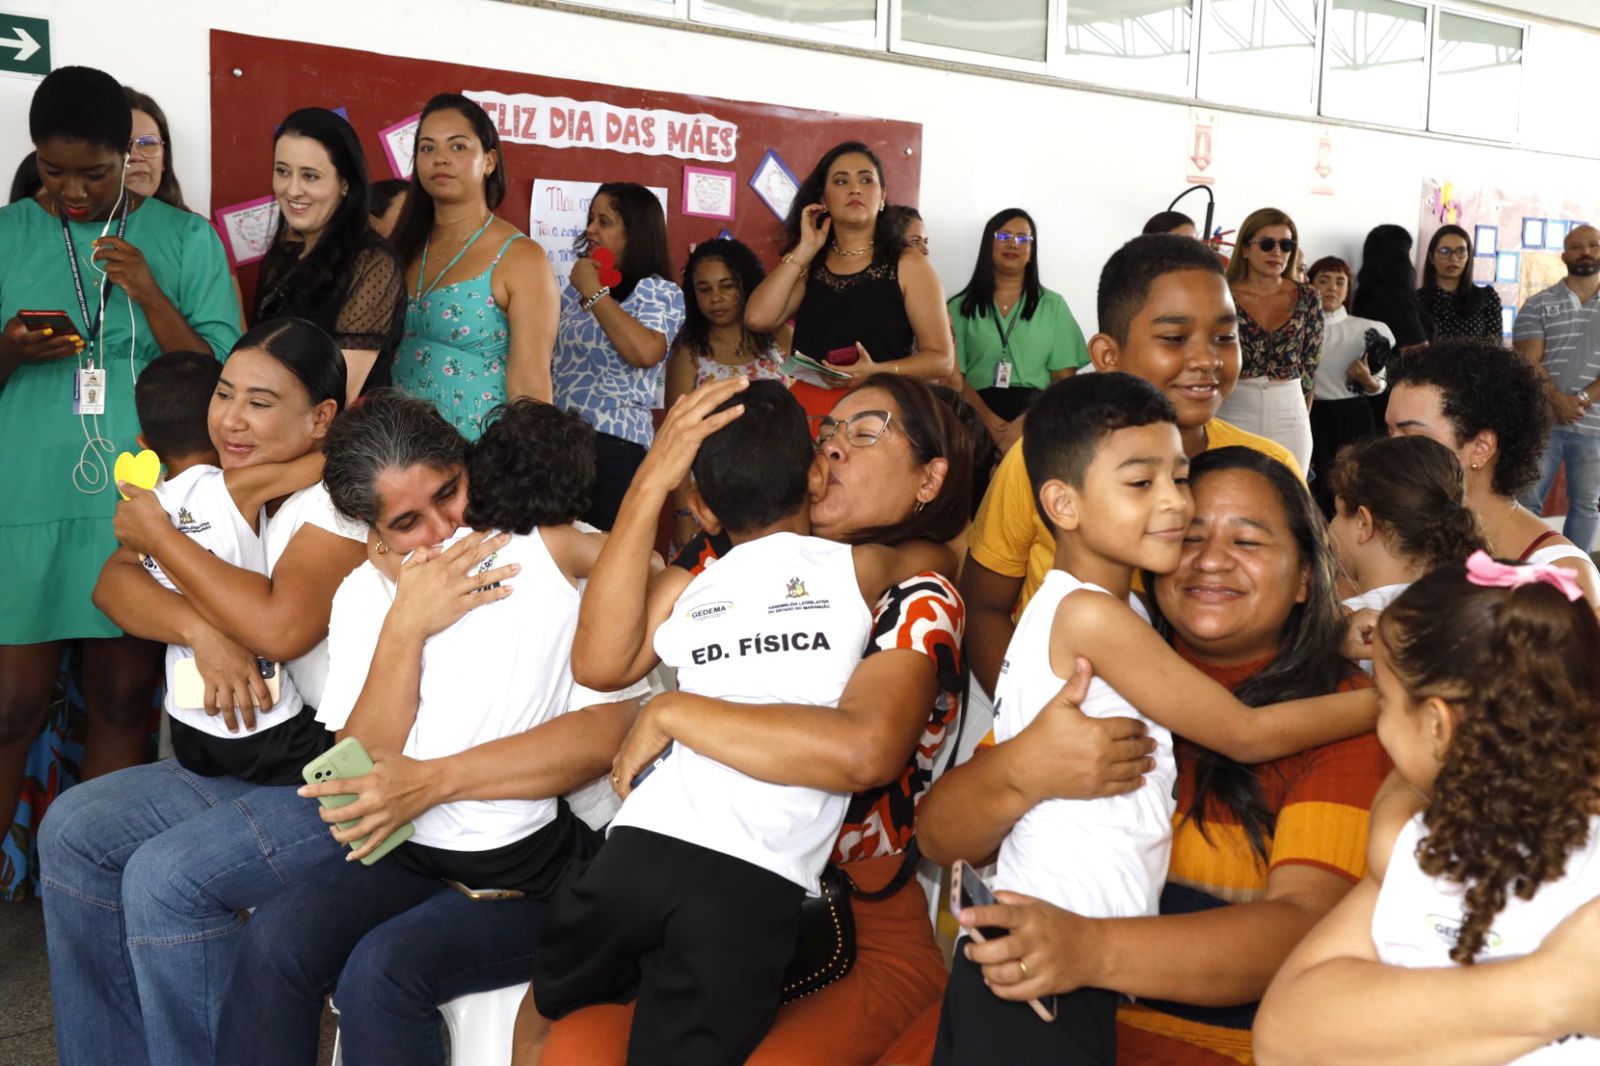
pixel 899 973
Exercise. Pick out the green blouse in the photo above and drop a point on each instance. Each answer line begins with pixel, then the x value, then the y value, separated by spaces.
pixel 55 523
pixel 1049 341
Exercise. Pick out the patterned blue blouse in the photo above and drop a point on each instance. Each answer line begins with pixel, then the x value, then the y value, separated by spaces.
pixel 591 378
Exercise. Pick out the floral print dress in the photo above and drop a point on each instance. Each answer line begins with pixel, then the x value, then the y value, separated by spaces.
pixel 453 353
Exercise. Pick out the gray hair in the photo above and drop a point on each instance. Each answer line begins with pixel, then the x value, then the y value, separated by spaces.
pixel 386 431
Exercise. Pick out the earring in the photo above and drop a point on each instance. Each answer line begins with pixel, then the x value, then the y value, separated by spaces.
pixel 918 508
pixel 383 549
pixel 1476 465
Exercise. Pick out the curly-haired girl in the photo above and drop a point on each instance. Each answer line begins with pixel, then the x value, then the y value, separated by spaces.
pixel 1490 693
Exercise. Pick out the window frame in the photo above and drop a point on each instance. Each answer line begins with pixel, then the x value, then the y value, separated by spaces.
pixel 1312 103
pixel 1430 19
pixel 679 9
pixel 1458 11
pixel 901 45
pixel 700 11
pixel 1063 63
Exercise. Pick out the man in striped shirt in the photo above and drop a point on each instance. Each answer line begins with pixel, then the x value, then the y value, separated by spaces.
pixel 1559 331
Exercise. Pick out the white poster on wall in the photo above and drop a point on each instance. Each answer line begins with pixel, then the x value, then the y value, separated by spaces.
pixel 562 122
pixel 557 217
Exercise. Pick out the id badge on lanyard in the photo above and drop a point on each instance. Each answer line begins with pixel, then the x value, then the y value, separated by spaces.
pixel 1002 369
pixel 89 383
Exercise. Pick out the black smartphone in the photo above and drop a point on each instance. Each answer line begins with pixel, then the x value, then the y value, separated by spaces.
pixel 59 322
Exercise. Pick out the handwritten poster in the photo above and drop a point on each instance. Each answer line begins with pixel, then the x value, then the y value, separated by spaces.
pixel 248 228
pixel 400 145
pixel 709 193
pixel 561 122
pixel 557 217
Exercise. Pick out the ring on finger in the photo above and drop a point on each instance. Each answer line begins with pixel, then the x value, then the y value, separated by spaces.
pixel 1024 968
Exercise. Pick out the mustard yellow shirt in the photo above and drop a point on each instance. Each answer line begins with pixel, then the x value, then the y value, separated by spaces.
pixel 1010 538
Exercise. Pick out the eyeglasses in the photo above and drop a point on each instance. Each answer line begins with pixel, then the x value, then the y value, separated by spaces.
pixel 148 145
pixel 862 429
pixel 1268 244
pixel 1020 239
pixel 1452 253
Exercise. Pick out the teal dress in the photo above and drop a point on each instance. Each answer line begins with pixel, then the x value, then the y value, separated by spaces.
pixel 453 353
pixel 55 522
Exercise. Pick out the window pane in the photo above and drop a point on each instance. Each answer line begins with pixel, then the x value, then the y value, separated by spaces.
pixel 1477 77
pixel 1259 54
pixel 1375 64
pixel 856 18
pixel 1013 28
pixel 1557 69
pixel 1138 44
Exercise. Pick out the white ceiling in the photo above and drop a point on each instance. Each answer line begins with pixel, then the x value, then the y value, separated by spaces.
pixel 1580 12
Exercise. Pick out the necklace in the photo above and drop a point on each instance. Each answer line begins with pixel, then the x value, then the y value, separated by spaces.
pixel 852 253
pixel 422 268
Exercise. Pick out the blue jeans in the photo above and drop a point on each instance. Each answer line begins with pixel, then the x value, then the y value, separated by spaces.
pixel 144 873
pixel 404 943
pixel 1580 453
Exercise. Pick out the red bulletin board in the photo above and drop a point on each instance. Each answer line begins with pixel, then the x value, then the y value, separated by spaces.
pixel 256 81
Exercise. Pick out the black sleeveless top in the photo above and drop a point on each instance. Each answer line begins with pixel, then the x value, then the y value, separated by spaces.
pixel 840 309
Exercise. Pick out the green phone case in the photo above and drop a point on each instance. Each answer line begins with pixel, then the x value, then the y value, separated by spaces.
pixel 343 761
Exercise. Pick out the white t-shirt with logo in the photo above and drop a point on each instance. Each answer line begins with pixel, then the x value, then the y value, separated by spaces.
pixel 1101 858
pixel 780 619
pixel 1418 920
pixel 501 669
pixel 199 504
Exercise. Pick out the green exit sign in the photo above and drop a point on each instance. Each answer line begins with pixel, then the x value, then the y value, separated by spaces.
pixel 24 45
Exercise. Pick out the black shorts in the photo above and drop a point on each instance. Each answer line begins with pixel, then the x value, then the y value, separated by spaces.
pixel 701 939
pixel 978 1028
pixel 274 757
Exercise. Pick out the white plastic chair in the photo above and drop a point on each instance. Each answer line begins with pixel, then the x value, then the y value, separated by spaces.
pixel 479 1025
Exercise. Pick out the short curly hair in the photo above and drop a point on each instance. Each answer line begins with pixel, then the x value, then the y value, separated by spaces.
pixel 533 466
pixel 81 104
pixel 1484 386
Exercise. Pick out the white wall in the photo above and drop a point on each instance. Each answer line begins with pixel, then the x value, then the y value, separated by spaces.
pixel 1089 166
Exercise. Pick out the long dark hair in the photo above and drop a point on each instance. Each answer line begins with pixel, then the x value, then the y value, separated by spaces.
pixel 978 297
pixel 1308 661
pixel 416 220
pixel 316 286
pixel 305 350
pixel 1467 294
pixel 1386 285
pixel 747 272
pixel 168 191
pixel 887 246
pixel 933 429
pixel 646 253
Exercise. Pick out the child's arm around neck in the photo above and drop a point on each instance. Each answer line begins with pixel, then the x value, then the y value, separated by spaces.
pixel 253 487
pixel 880 567
pixel 1133 659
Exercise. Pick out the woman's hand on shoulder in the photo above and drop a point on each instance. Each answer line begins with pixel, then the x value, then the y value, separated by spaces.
pixel 1046 951
pixel 436 588
pixel 689 422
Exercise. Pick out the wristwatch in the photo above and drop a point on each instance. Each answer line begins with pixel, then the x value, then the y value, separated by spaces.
pixel 1582 396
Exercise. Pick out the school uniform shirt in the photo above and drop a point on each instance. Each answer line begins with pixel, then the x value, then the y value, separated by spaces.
pixel 310 506
pixel 199 504
pixel 359 609
pixel 1344 340
pixel 1377 599
pixel 779 619
pixel 1101 858
pixel 1418 919
pixel 1321 801
pixel 1035 347
pixel 1010 538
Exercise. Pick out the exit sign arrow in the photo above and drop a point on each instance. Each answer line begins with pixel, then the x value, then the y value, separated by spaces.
pixel 23 42
pixel 24 45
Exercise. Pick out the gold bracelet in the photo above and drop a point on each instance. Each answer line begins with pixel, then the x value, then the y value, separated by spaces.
pixel 788 257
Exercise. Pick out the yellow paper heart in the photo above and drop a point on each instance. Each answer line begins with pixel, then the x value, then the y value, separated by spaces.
pixel 143 470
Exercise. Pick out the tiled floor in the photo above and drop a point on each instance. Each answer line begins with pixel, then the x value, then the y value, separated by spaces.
pixel 26 1038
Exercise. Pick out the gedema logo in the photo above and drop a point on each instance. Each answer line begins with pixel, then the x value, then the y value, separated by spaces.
pixel 1448 930
pixel 710 610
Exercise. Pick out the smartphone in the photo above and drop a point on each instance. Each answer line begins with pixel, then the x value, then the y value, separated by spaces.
pixel 844 356
pixel 968 890
pixel 638 778
pixel 485 893
pixel 345 760
pixel 59 322
pixel 189 690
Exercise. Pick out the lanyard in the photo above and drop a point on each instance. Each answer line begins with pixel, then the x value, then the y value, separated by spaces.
pixel 91 325
pixel 1005 334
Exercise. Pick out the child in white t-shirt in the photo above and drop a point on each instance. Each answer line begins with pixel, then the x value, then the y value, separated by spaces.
pixel 222 511
pixel 692 904
pixel 1111 479
pixel 1400 511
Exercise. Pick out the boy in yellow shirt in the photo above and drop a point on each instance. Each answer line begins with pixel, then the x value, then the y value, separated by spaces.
pixel 1165 315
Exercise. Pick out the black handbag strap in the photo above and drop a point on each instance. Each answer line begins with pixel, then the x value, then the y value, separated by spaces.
pixel 908 867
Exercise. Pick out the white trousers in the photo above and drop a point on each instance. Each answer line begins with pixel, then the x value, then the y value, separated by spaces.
pixel 1272 409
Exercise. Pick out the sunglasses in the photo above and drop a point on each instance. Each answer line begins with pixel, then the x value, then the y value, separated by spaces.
pixel 1022 240
pixel 1268 244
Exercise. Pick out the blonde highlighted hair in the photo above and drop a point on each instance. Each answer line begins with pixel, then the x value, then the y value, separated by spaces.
pixel 1253 224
